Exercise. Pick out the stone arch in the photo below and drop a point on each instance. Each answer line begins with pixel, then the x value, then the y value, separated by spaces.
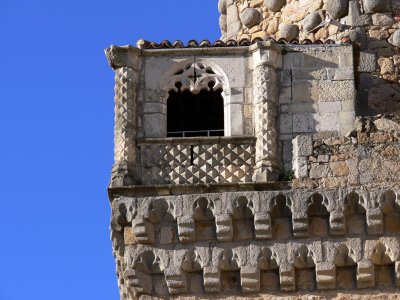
pixel 355 214
pixel 269 271
pixel 229 267
pixel 147 275
pixel 391 212
pixel 281 217
pixel 195 75
pixel 346 268
pixel 318 215
pixel 161 221
pixel 304 263
pixel 204 220
pixel 243 219
pixel 192 267
pixel 384 265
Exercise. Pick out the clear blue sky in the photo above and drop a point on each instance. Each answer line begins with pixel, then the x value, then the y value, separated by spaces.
pixel 56 128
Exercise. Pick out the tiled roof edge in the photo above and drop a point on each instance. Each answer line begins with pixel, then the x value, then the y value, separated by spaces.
pixel 146 45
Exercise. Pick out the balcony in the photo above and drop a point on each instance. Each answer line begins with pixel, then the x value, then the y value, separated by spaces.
pixel 196 160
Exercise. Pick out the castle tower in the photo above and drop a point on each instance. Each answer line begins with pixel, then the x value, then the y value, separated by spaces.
pixel 243 167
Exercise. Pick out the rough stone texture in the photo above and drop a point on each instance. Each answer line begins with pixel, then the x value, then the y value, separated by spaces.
pixel 376 6
pixel 312 21
pixel 337 8
pixel 372 25
pixel 250 17
pixel 288 32
pixel 274 5
pixel 395 38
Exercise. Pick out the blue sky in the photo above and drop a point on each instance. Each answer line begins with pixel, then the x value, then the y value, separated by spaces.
pixel 56 127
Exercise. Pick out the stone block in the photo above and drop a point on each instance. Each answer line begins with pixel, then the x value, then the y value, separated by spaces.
pixel 303 123
pixel 325 275
pixel 320 171
pixel 346 121
pixel 250 279
pixel 155 125
pixel 329 107
pixel 304 74
pixel 262 226
pixel 300 167
pixel 129 237
pixel 337 8
pixel 300 223
pixel 344 74
pixel 337 224
pixel 376 6
pixel 374 221
pixel 305 91
pixel 326 121
pixel 186 231
pixel 236 119
pixel 250 17
pixel 285 123
pixel 285 95
pixel 365 274
pixel 336 91
pixel 302 146
pixel 211 279
pixel 287 277
pixel 224 227
pixel 367 61
pixel 274 5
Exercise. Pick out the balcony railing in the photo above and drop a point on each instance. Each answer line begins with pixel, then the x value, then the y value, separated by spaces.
pixel 195 160
pixel 195 133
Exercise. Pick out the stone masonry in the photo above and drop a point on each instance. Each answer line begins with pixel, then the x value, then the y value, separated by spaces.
pixel 300 198
pixel 373 25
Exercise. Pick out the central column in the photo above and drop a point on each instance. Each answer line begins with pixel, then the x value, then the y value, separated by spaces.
pixel 266 58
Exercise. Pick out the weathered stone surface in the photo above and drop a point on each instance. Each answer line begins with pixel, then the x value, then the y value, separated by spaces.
pixel 337 8
pixel 312 21
pixel 250 17
pixel 288 32
pixel 376 6
pixel 222 6
pixel 274 5
pixel 382 19
pixel 395 38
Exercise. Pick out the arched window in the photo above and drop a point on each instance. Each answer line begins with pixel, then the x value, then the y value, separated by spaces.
pixel 196 101
pixel 199 114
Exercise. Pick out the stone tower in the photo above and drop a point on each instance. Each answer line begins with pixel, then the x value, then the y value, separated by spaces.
pixel 256 166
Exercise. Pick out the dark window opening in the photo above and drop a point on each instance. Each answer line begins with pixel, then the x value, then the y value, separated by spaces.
pixel 190 115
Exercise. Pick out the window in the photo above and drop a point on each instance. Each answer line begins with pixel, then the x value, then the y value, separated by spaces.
pixel 200 114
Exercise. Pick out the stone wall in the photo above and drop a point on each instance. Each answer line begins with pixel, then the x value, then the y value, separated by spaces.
pixel 373 25
pixel 368 156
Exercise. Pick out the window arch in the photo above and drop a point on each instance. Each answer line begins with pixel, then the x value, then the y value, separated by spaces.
pixel 199 114
pixel 197 96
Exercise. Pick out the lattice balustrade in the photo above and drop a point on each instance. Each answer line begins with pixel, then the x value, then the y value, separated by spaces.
pixel 197 161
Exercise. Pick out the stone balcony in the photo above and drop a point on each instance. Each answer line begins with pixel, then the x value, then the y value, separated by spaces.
pixel 196 160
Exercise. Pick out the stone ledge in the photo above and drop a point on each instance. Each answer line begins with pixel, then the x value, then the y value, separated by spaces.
pixel 170 189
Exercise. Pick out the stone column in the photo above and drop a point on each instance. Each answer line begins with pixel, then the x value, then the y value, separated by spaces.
pixel 126 63
pixel 266 58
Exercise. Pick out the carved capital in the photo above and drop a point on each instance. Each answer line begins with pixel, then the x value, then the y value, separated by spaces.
pixel 125 56
pixel 266 54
